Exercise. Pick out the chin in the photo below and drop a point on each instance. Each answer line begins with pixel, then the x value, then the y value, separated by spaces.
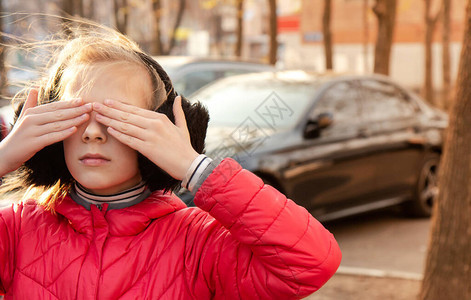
pixel 94 184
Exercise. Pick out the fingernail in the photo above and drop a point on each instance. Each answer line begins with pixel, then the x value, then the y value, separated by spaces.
pixel 108 102
pixel 88 106
pixel 97 105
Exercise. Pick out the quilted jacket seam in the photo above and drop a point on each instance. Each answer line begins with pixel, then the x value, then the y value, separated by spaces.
pixel 185 277
pixel 300 237
pixel 171 283
pixel 42 255
pixel 253 285
pixel 203 254
pixel 274 220
pixel 81 267
pixel 34 229
pixel 237 273
pixel 219 188
pixel 288 267
pixel 111 264
pixel 81 256
pixel 241 213
pixel 38 283
pixel 157 259
pixel 317 266
pixel 216 263
pixel 259 239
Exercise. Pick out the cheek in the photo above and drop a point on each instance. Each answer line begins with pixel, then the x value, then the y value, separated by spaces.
pixel 70 146
pixel 129 157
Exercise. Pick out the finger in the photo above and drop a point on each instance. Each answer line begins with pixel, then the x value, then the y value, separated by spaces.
pixel 133 110
pixel 128 140
pixel 180 120
pixel 62 125
pixel 31 101
pixel 55 137
pixel 119 115
pixel 123 127
pixel 57 105
pixel 62 114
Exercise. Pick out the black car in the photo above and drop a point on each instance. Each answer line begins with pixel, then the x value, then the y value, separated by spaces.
pixel 337 145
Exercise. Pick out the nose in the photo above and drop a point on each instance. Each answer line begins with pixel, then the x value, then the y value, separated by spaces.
pixel 94 131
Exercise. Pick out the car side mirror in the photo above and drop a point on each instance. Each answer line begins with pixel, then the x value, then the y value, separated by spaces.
pixel 314 127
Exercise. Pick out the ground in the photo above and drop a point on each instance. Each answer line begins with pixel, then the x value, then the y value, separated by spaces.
pixel 358 287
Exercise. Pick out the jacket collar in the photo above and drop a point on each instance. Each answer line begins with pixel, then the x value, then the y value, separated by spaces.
pixel 121 222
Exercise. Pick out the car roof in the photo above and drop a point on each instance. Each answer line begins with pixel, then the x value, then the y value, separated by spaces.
pixel 302 76
pixel 178 61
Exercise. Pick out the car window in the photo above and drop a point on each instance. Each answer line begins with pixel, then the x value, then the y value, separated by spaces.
pixel 227 73
pixel 381 100
pixel 269 103
pixel 191 82
pixel 340 100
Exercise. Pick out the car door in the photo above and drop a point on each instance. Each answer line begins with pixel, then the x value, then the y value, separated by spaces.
pixel 331 172
pixel 390 127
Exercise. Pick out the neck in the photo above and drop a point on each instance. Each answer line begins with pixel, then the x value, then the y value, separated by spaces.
pixel 119 200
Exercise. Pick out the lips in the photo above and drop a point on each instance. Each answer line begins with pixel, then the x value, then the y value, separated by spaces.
pixel 91 159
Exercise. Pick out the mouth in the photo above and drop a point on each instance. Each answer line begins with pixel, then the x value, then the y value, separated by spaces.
pixel 91 159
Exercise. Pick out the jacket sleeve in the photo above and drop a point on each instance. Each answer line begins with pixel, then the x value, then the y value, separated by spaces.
pixel 9 223
pixel 266 246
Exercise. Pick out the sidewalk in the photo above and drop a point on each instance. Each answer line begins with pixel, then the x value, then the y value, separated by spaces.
pixel 363 287
pixel 383 258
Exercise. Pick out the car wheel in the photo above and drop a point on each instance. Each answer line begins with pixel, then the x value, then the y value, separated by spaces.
pixel 426 189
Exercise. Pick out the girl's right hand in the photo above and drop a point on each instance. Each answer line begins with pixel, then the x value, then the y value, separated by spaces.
pixel 38 127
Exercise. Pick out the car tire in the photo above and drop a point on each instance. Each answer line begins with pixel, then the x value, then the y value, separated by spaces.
pixel 426 189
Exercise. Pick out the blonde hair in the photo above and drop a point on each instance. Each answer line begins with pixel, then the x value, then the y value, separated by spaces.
pixel 89 48
pixel 91 44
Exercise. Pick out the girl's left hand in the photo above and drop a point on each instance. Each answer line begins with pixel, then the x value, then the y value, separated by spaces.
pixel 151 133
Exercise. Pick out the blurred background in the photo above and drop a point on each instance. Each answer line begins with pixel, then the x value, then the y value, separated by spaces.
pixel 354 133
pixel 288 33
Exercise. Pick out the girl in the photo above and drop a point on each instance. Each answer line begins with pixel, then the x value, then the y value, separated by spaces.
pixel 100 146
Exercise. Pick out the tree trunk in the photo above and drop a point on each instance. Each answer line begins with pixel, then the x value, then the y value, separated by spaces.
pixel 448 265
pixel 239 30
pixel 366 35
pixel 89 10
pixel 156 8
pixel 68 10
pixel 181 10
pixel 446 54
pixel 273 32
pixel 430 22
pixel 121 13
pixel 327 34
pixel 78 8
pixel 3 73
pixel 385 11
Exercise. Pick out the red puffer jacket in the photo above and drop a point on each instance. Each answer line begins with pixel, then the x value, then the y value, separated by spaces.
pixel 246 242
